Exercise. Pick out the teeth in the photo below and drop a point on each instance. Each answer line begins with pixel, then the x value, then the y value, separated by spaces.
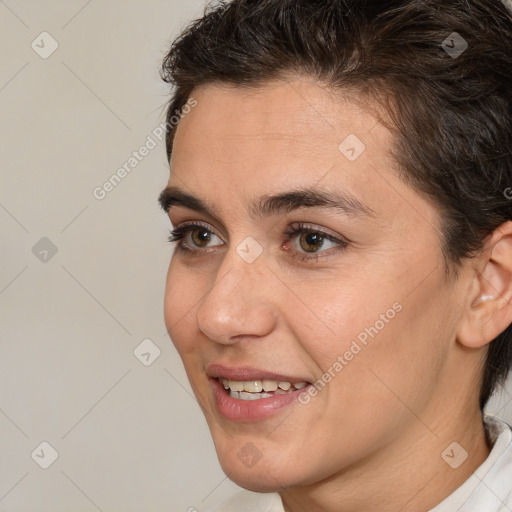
pixel 254 386
pixel 236 386
pixel 269 385
pixel 256 389
pixel 244 395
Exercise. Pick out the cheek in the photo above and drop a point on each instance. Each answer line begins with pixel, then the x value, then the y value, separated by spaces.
pixel 180 304
pixel 335 316
pixel 393 349
pixel 374 345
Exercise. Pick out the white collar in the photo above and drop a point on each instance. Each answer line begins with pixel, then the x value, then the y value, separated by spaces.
pixel 489 488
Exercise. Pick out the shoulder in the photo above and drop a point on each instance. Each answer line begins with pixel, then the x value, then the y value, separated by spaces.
pixel 248 501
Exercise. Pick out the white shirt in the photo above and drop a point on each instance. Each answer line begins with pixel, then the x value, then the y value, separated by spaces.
pixel 488 489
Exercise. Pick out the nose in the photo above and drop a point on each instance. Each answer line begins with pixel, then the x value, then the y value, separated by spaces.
pixel 239 303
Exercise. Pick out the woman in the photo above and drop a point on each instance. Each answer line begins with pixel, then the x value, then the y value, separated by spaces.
pixel 340 293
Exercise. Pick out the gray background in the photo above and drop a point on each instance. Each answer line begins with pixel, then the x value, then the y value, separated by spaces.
pixel 129 435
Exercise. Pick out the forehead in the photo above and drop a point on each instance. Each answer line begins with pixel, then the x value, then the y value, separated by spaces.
pixel 240 143
pixel 296 114
pixel 282 133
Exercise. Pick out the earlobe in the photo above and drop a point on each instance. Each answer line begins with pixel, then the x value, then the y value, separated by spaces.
pixel 489 310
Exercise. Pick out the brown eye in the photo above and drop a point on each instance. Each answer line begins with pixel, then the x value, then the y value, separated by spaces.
pixel 311 242
pixel 193 237
pixel 201 237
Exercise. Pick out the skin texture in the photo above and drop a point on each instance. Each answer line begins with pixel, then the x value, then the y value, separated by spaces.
pixel 372 439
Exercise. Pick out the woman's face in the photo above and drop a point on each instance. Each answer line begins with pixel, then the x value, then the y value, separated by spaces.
pixel 356 302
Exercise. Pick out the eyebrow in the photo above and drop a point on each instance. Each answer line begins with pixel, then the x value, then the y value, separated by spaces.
pixel 268 205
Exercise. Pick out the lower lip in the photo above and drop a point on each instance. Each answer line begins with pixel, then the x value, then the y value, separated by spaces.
pixel 236 409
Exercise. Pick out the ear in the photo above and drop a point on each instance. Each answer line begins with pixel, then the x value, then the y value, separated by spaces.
pixel 489 307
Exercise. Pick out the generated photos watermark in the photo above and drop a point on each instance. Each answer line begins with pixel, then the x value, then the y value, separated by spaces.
pixel 355 348
pixel 152 141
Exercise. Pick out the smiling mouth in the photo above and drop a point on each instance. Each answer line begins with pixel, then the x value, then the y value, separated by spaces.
pixel 259 389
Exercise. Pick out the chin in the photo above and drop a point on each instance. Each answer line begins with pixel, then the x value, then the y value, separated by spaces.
pixel 256 480
pixel 261 476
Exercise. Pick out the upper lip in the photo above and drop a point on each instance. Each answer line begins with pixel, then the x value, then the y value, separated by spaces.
pixel 246 373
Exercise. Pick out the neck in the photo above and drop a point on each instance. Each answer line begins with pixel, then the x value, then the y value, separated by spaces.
pixel 409 474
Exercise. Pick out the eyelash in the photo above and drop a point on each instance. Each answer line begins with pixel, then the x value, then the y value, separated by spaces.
pixel 179 234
